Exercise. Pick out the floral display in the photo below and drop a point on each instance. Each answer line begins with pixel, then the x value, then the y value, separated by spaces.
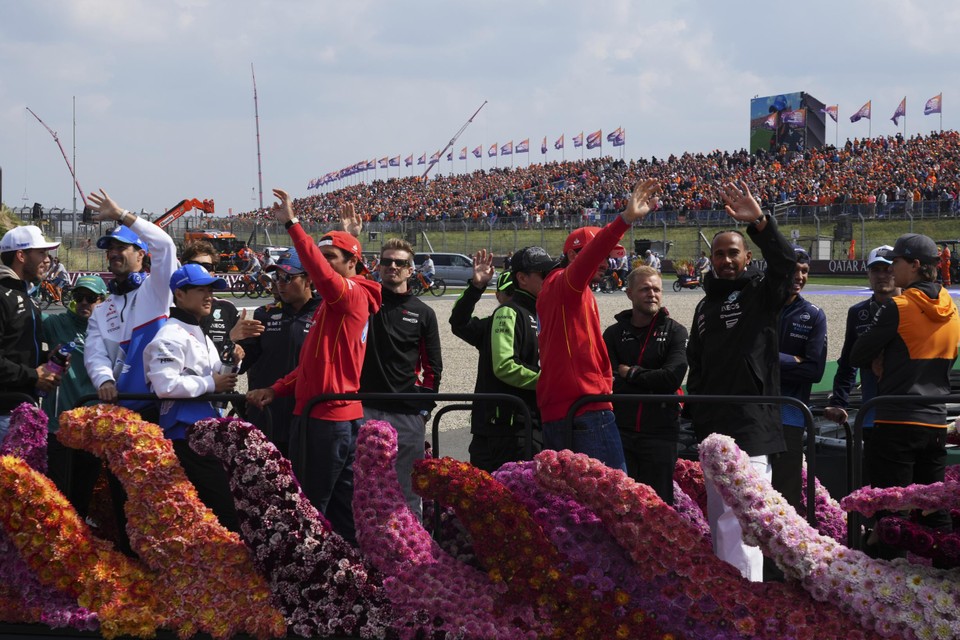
pixel 293 545
pixel 688 475
pixel 204 571
pixel 424 584
pixel 893 598
pixel 831 518
pixel 927 497
pixel 941 547
pixel 689 510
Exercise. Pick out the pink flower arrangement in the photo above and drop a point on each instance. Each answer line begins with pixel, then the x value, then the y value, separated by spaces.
pixel 831 518
pixel 205 571
pixel 426 586
pixel 889 598
pixel 927 497
pixel 689 476
pixel 939 546
pixel 320 582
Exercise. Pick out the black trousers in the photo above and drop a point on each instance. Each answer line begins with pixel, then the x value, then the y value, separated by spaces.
pixel 492 452
pixel 210 479
pixel 651 461
pixel 787 468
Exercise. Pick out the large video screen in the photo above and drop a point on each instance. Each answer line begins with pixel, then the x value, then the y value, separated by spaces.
pixel 794 120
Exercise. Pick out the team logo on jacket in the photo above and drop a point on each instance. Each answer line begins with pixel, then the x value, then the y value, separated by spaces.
pixel 864 315
pixel 216 314
pixel 733 296
pixel 363 334
pixel 805 317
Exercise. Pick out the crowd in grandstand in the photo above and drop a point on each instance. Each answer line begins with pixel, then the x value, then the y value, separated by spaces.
pixel 875 171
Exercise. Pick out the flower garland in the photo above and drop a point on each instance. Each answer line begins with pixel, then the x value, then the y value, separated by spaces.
pixel 941 547
pixel 516 553
pixel 25 598
pixel 205 570
pixel 292 543
pixel 689 476
pixel 892 598
pixel 688 509
pixel 831 518
pixel 425 584
pixel 927 497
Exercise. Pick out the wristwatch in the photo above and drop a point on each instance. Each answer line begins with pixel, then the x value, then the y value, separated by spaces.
pixel 425 414
pixel 292 221
pixel 757 221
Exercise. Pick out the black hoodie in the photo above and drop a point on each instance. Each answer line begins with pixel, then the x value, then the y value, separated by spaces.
pixel 21 338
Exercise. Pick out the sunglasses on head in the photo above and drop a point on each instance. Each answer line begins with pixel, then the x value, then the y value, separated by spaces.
pixel 283 276
pixel 392 262
pixel 209 266
pixel 89 297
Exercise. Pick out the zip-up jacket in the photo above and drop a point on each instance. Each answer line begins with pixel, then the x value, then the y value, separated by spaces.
pixel 404 353
pixel 803 333
pixel 859 319
pixel 657 357
pixel 463 324
pixel 733 347
pixel 124 323
pixel 21 338
pixel 509 363
pixel 180 362
pixel 332 355
pixel 917 334
pixel 218 324
pixel 573 358
pixel 65 328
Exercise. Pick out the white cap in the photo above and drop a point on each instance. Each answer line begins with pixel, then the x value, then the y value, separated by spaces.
pixel 880 254
pixel 24 238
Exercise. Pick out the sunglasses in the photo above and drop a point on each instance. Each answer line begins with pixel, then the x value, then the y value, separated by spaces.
pixel 86 296
pixel 392 262
pixel 284 277
pixel 209 266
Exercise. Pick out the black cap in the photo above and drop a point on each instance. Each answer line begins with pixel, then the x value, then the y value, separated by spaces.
pixel 531 260
pixel 915 246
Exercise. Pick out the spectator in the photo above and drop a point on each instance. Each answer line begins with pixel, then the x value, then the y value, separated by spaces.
pixel 58 274
pixel 335 348
pixel 60 329
pixel 652 260
pixel 648 354
pixel 275 351
pixel 136 308
pixel 403 357
pixel 733 350
pixel 911 346
pixel 428 270
pixel 181 364
pixel 803 357
pixel 23 251
pixel 859 318
pixel 703 265
pixel 510 364
pixel 569 321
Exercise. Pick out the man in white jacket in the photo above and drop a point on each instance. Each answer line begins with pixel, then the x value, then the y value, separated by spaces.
pixel 182 363
pixel 136 308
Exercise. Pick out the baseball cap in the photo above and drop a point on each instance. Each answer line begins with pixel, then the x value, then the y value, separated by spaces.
pixel 505 281
pixel 879 255
pixel 345 241
pixel 122 234
pixel 289 262
pixel 801 254
pixel 579 237
pixel 196 276
pixel 24 238
pixel 915 246
pixel 531 260
pixel 91 283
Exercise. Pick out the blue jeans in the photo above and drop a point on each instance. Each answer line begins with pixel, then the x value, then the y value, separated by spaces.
pixel 594 433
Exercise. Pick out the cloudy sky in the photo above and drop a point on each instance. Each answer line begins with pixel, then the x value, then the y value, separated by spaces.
pixel 164 98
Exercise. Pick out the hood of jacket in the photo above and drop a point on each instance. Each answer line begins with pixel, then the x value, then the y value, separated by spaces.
pixel 933 300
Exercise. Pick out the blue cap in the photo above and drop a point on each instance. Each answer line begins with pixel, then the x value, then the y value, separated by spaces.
pixel 289 262
pixel 122 234
pixel 196 276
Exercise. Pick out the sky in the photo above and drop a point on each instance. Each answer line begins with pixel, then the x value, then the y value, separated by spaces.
pixel 164 94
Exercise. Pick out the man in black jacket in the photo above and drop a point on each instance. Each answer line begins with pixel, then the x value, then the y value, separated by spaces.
pixel 403 356
pixel 23 251
pixel 463 324
pixel 733 350
pixel 648 354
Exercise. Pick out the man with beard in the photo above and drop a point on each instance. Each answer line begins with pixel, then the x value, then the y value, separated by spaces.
pixel 733 350
pixel 648 353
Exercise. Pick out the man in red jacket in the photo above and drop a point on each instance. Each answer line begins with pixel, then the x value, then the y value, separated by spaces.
pixel 573 358
pixel 330 362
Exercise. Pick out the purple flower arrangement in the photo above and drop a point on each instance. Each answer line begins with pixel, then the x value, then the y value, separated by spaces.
pixel 831 518
pixel 938 546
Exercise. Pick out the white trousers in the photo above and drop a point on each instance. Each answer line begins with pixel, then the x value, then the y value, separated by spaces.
pixel 727 535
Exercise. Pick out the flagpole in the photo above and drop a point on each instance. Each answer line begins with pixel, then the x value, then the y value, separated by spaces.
pixel 836 130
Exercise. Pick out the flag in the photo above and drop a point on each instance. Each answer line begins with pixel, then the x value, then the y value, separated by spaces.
pixel 613 134
pixel 450 156
pixel 435 158
pixel 395 162
pixel 463 153
pixel 863 113
pixel 384 163
pixel 578 140
pixel 933 105
pixel 620 139
pixel 371 165
pixel 900 112
pixel 492 151
pixel 523 146
pixel 594 139
pixel 559 143
pixel 770 122
pixel 543 146
pixel 796 118
pixel 408 160
pixel 422 159
pixel 311 184
pixel 478 151
pixel 507 149
pixel 831 111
